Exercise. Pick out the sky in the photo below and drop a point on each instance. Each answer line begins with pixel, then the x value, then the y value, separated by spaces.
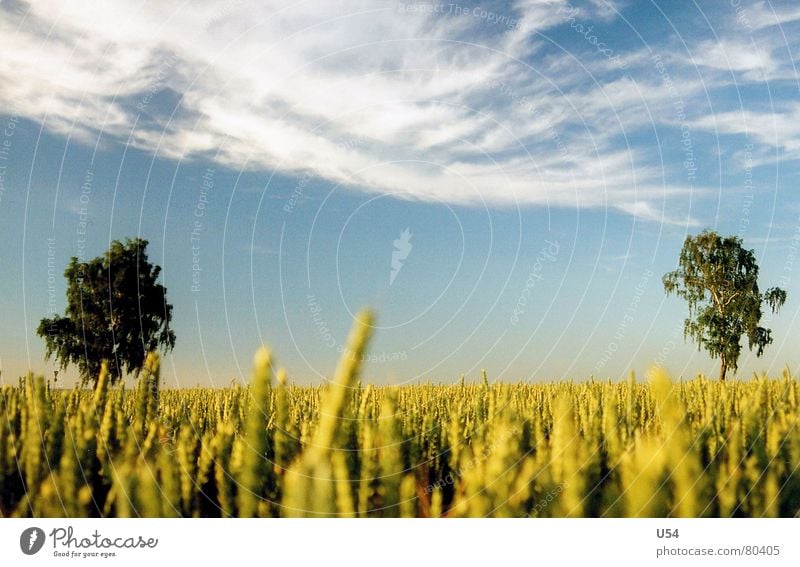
pixel 504 183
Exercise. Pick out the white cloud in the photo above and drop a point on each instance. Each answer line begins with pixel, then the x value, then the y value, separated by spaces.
pixel 736 56
pixel 276 86
pixel 779 129
pixel 766 14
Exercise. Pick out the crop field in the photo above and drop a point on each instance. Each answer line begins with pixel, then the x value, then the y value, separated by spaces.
pixel 656 448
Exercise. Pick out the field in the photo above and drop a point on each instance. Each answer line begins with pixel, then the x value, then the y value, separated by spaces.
pixel 656 448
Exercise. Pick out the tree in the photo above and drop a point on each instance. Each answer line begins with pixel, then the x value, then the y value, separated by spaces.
pixel 115 312
pixel 719 280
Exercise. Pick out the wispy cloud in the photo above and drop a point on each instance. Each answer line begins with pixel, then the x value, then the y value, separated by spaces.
pixel 735 56
pixel 767 14
pixel 452 107
pixel 779 129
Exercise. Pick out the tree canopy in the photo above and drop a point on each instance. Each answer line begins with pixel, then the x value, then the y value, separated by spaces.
pixel 116 311
pixel 718 278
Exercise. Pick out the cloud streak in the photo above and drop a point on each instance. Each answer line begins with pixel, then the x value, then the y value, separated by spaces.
pixel 465 108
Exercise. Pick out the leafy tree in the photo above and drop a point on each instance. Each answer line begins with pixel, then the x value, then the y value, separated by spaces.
pixel 115 311
pixel 719 280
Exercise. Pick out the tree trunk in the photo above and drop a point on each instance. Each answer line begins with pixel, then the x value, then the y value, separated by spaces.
pixel 723 368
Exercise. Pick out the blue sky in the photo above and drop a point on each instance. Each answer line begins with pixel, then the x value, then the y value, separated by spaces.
pixel 547 158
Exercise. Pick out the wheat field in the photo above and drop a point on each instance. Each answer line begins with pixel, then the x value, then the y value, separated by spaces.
pixel 697 448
